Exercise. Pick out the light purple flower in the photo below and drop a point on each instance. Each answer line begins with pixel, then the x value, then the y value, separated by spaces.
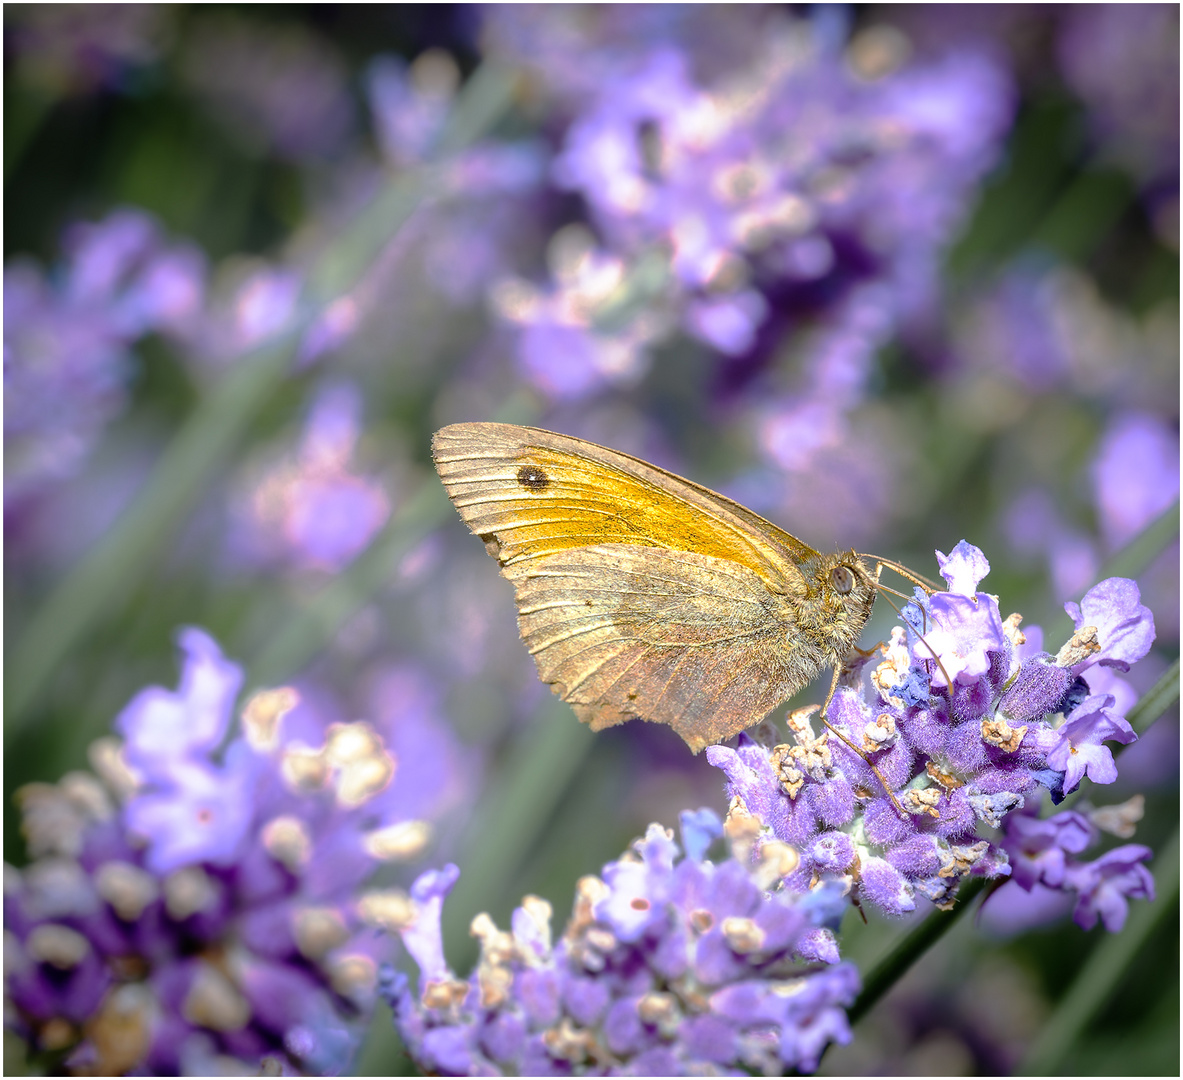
pixel 1106 885
pixel 620 980
pixel 939 762
pixel 1125 626
pixel 423 938
pixel 200 815
pixel 963 568
pixel 1040 849
pixel 1080 747
pixel 162 727
pixel 210 910
pixel 965 630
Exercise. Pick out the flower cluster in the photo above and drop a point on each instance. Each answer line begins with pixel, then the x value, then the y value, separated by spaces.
pixel 963 724
pixel 814 189
pixel 666 967
pixel 197 913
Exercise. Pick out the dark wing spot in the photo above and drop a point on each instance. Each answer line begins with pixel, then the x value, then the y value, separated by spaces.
pixel 533 478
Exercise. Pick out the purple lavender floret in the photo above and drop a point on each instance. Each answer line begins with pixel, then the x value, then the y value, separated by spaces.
pixel 203 906
pixel 668 966
pixel 954 735
pixel 1123 625
pixel 1044 855
pixel 314 510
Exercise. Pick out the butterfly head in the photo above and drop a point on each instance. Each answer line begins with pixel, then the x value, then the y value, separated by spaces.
pixel 842 594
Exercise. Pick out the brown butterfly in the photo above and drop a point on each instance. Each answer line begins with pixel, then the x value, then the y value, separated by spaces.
pixel 641 594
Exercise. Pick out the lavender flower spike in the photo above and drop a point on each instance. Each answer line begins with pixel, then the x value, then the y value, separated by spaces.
pixel 668 966
pixel 960 748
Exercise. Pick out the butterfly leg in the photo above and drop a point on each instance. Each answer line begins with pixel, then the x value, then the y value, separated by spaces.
pixel 873 767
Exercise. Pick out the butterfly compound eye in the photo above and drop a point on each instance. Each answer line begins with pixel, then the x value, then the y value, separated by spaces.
pixel 842 579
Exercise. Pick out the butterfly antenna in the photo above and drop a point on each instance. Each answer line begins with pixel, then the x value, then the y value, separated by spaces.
pixel 926 584
pixel 948 681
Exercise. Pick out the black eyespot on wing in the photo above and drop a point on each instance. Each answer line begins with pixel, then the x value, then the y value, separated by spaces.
pixel 532 478
pixel 842 579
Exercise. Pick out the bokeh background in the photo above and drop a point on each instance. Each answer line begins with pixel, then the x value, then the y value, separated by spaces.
pixel 254 256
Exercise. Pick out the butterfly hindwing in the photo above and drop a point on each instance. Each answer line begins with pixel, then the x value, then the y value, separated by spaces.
pixel 684 639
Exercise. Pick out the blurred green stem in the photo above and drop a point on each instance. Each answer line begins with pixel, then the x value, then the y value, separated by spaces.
pixel 1151 705
pixel 1138 554
pixel 304 634
pixel 105 576
pixel 515 810
pixel 913 945
pixel 1102 974
pixel 116 565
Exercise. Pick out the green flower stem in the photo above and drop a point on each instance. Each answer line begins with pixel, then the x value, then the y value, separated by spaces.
pixel 913 945
pixel 1132 559
pixel 304 633
pixel 517 807
pixel 1102 974
pixel 97 584
pixel 1151 705
pixel 114 567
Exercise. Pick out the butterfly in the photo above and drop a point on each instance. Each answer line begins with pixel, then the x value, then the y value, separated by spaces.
pixel 643 594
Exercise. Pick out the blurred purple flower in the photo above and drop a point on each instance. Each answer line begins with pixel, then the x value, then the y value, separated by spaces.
pixel 264 305
pixel 411 104
pixel 667 967
pixel 1105 886
pixel 162 726
pixel 330 330
pixel 1044 858
pixel 1135 475
pixel 279 88
pixel 1123 61
pixel 219 916
pixel 774 216
pixel 315 512
pixel 68 340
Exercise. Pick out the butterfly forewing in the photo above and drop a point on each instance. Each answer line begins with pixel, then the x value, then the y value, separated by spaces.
pixel 537 492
